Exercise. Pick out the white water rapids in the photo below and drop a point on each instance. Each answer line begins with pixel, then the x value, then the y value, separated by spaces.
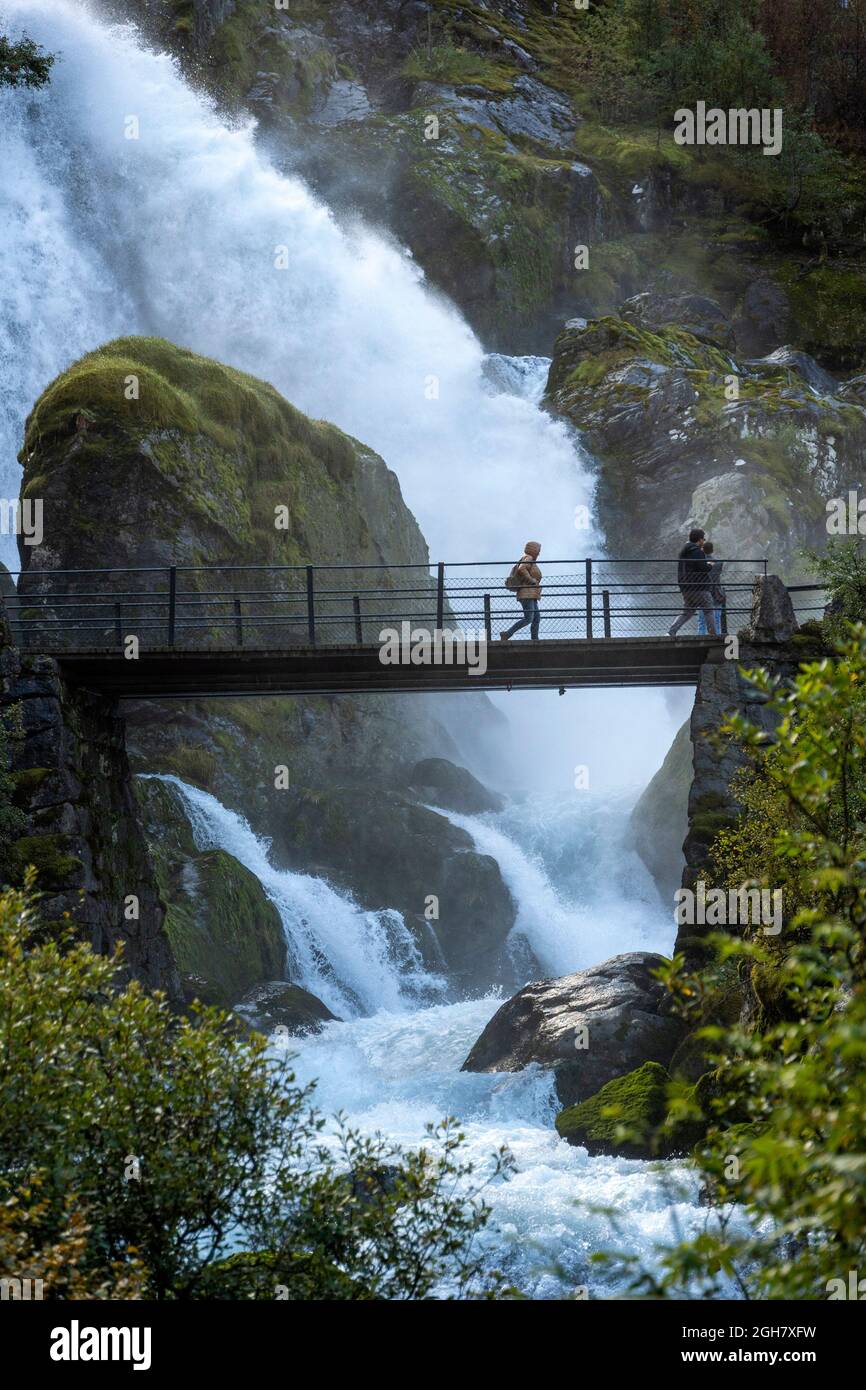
pixel 393 1063
pixel 175 233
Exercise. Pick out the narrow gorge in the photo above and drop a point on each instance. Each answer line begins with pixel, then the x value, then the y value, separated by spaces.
pixel 327 311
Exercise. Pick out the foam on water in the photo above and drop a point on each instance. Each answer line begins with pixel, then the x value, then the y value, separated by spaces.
pixel 395 1075
pixel 176 234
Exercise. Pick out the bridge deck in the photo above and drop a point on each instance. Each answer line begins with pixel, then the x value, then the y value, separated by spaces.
pixel 517 665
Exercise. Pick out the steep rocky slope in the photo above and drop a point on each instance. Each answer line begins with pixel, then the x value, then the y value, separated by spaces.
pixel 687 433
pixel 68 810
pixel 490 137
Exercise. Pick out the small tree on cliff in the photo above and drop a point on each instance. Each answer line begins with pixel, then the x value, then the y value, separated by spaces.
pixel 787 1138
pixel 23 63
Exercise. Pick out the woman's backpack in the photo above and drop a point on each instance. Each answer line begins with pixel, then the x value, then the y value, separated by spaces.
pixel 513 580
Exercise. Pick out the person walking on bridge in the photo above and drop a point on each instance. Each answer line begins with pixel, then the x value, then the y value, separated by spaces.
pixel 717 591
pixel 525 581
pixel 694 577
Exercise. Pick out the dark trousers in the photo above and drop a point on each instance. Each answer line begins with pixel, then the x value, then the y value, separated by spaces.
pixel 530 615
pixel 694 600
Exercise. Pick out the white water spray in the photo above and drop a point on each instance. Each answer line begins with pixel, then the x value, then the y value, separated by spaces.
pixel 179 232
pixel 355 961
pixel 604 901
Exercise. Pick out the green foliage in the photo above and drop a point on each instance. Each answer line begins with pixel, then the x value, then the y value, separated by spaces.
pixel 24 63
pixel 620 1118
pixel 449 63
pixel 787 1111
pixel 12 818
pixel 187 1160
pixel 842 570
pixel 710 51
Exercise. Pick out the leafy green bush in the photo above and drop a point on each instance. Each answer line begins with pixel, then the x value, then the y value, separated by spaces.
pixel 176 1158
pixel 787 1143
pixel 842 570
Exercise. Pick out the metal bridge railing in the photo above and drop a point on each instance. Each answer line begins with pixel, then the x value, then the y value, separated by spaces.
pixel 270 607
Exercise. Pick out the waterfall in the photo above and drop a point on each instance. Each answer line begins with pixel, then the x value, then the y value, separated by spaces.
pixel 355 961
pixel 177 232
pixel 603 902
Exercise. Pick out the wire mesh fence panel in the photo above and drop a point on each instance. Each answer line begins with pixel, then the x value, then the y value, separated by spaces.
pixel 219 608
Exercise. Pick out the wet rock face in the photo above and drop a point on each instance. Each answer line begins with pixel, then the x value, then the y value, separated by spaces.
pixel 276 1004
pixel 697 314
pixel 688 434
pixel 723 690
pixel 588 1027
pixel 81 831
pixel 659 822
pixel 764 318
pixel 390 853
pixel 442 783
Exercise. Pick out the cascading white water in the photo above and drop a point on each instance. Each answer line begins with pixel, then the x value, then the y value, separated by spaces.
pixel 177 233
pixel 353 960
pixel 604 901
pixel 393 1065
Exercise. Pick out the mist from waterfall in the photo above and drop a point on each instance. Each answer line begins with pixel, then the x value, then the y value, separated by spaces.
pixel 179 233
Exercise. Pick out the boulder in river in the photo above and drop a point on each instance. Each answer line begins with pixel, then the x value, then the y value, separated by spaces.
pixel 445 784
pixel 588 1027
pixel 279 1004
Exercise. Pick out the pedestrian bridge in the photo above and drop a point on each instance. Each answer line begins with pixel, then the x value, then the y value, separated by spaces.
pixel 194 631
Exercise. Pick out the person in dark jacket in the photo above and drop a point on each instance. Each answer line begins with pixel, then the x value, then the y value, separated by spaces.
pixel 694 578
pixel 716 590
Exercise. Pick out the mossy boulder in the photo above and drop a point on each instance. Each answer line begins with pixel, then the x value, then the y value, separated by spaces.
pixel 634 1103
pixel 189 471
pixel 146 453
pixel 688 434
pixel 635 1116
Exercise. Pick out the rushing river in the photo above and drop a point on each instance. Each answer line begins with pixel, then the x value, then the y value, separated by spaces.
pixel 393 1063
pixel 175 233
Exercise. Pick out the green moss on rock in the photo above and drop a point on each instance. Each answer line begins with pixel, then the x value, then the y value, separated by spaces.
pixel 620 1118
pixel 225 933
pixel 221 926
pixel 49 855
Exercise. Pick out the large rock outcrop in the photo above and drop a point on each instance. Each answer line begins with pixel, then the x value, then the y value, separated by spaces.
pixel 687 434
pixel 494 139
pixel 587 1028
pixel 190 472
pixel 389 852
pixel 225 933
pixel 772 641
pixel 659 822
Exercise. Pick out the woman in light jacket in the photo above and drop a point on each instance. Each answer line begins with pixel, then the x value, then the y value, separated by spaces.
pixel 528 593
